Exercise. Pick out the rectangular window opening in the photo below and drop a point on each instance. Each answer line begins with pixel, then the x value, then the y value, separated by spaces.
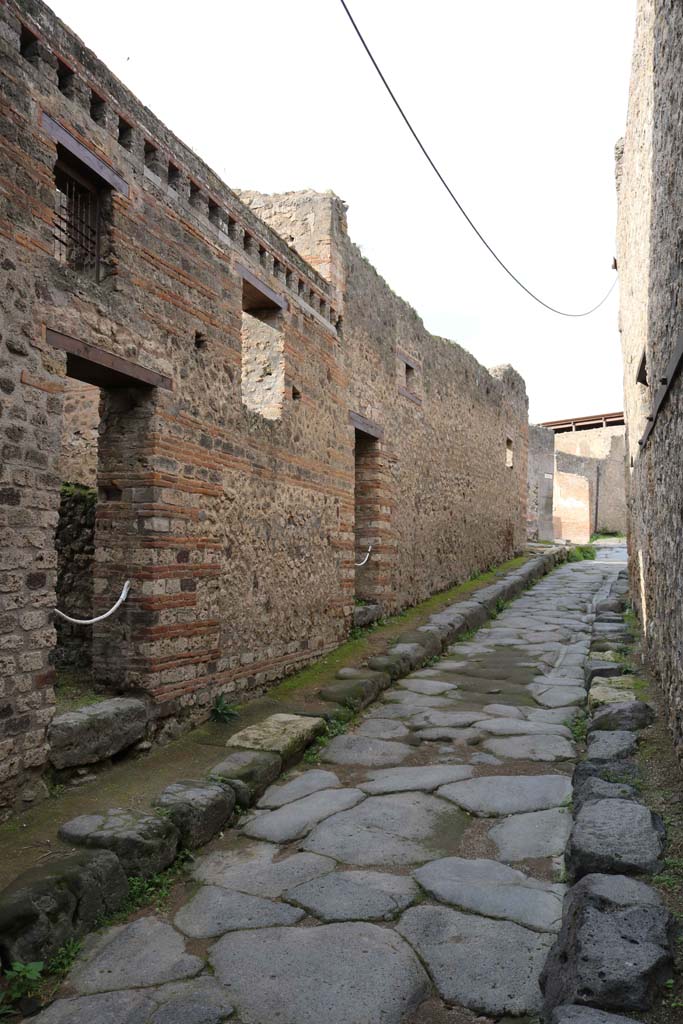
pixel 80 200
pixel 509 453
pixel 367 513
pixel 98 108
pixel 125 134
pixel 263 354
pixel 65 78
pixel 173 176
pixel 152 158
pixel 410 377
pixel 28 45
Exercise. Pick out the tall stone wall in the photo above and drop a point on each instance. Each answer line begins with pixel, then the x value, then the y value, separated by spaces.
pixel 603 454
pixel 234 521
pixel 650 260
pixel 81 419
pixel 539 522
pixel 571 507
pixel 448 500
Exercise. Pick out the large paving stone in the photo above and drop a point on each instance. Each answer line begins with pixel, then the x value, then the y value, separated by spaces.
pixel 595 788
pixel 531 748
pixel 430 687
pixel 418 701
pixel 515 727
pixel 248 772
pixel 445 719
pixel 96 732
pixel 351 693
pixel 144 843
pixel 537 834
pixel 619 690
pixel 557 696
pixel 215 911
pixel 251 867
pixel 587 1015
pixel 494 890
pixel 398 829
pixel 48 905
pixel 632 714
pixel 336 973
pixel 609 745
pixel 423 777
pixel 494 795
pixel 615 948
pixel 198 1001
pixel 286 735
pixel 503 711
pixel 296 819
pixel 463 737
pixel 488 966
pixel 146 952
pixel 361 750
pixel 383 729
pixel 307 782
pixel 615 835
pixel 199 810
pixel 355 895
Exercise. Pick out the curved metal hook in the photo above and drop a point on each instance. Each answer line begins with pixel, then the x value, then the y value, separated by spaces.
pixel 358 564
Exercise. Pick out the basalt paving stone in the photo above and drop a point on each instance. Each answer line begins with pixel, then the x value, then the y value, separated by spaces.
pixel 429 687
pixel 303 785
pixel 355 750
pixel 587 1015
pixel 557 696
pixel 355 896
pixel 425 778
pixel 495 795
pixel 215 911
pixel 144 843
pixel 466 737
pixel 536 834
pixel 251 867
pixel 615 835
pixel 298 818
pixel 349 973
pixel 494 890
pixel 445 719
pixel 414 700
pixel 531 748
pixel 378 729
pixel 146 952
pixel 515 727
pixel 488 966
pixel 503 711
pixel 609 745
pixel 558 716
pixel 199 1001
pixel 398 829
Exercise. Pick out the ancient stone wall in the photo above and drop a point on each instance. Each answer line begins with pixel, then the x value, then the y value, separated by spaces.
pixel 541 470
pixel 603 455
pixel 81 418
pixel 233 521
pixel 571 507
pixel 650 260
pixel 450 438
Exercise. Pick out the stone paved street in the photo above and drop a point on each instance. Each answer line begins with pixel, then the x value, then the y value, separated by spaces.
pixel 418 869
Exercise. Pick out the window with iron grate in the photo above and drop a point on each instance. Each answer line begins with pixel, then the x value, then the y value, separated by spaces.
pixel 78 218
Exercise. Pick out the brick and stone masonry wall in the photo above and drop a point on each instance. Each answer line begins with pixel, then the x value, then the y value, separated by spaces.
pixel 650 260
pixel 236 524
pixel 446 500
pixel 541 470
pixel 600 455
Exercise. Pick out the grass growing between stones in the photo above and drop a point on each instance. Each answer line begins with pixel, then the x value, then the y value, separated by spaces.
pixel 74 689
pixel 581 553
pixel 578 727
pixel 375 639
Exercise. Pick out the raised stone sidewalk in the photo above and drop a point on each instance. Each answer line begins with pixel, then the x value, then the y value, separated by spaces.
pixel 420 869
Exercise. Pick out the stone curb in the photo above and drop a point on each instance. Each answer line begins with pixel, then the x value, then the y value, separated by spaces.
pixel 615 949
pixel 193 810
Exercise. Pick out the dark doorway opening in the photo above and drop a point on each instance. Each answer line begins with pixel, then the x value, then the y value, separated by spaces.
pixel 367 520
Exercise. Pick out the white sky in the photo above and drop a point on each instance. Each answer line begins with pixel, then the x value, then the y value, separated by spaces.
pixel 520 104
